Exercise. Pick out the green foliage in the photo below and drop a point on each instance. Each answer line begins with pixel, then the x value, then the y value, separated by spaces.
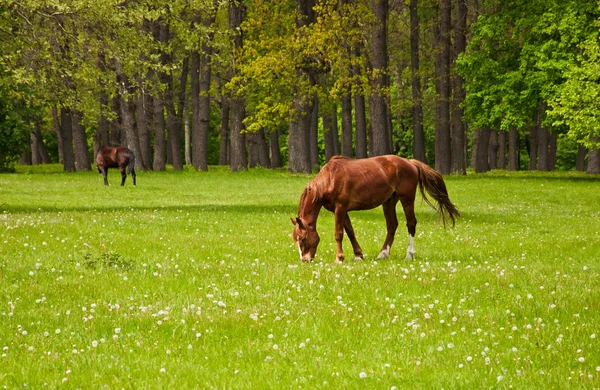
pixel 525 53
pixel 578 103
pixel 14 130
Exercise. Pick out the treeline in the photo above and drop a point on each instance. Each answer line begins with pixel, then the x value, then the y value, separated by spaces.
pixel 491 84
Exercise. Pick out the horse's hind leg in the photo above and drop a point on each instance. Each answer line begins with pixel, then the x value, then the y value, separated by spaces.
pixel 133 176
pixel 340 215
pixel 389 210
pixel 408 204
pixel 123 175
pixel 358 253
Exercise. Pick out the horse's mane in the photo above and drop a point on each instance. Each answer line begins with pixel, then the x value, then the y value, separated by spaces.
pixel 318 186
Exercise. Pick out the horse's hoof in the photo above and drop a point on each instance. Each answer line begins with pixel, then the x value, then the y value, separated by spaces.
pixel 338 261
pixel 358 258
pixel 383 255
pixel 410 255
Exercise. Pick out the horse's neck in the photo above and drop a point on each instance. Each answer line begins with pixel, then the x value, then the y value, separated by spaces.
pixel 309 209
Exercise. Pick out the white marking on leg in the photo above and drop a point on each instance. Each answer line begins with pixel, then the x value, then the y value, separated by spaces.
pixel 300 251
pixel 385 253
pixel 410 251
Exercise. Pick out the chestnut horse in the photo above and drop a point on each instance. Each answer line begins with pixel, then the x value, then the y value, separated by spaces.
pixel 344 184
pixel 116 157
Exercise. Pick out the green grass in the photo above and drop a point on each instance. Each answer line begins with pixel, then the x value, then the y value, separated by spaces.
pixel 191 280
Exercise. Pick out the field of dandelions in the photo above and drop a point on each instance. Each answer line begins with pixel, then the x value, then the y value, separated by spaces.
pixel 191 280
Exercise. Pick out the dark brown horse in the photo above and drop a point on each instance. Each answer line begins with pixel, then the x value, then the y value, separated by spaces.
pixel 345 184
pixel 116 157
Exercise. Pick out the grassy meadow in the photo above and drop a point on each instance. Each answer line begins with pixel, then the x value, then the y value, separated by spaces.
pixel 191 280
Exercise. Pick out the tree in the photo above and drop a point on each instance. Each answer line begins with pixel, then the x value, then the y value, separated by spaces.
pixel 302 103
pixel 417 112
pixel 237 111
pixel 13 128
pixel 442 125
pixel 381 140
pixel 201 95
pixel 458 134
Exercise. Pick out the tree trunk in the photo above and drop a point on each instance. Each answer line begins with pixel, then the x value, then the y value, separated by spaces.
pixel 335 133
pixel 543 145
pixel 379 80
pixel 275 151
pixel 82 155
pixel 66 133
pixel 502 149
pixel 493 150
pixel 200 128
pixel 360 114
pixel 224 130
pixel 417 112
pixel 552 151
pixel 299 131
pixel 58 131
pixel 483 140
pixel 100 137
pixel 237 108
pixel 42 151
pixel 347 125
pixel 580 162
pixel 328 135
pixel 237 113
pixel 182 111
pixel 442 126
pixel 160 151
pixel 513 147
pixel 173 126
pixel 252 147
pixel 35 153
pixel 195 90
pixel 127 114
pixel 299 136
pixel 474 149
pixel 263 149
pixel 458 138
pixel 533 145
pixel 594 159
pixel 116 126
pixel 143 123
pixel 258 151
pixel 186 129
pixel 25 159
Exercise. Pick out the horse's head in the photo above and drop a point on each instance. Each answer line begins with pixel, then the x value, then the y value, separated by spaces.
pixel 307 240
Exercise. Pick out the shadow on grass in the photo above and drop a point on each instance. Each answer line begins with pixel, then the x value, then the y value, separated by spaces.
pixel 212 208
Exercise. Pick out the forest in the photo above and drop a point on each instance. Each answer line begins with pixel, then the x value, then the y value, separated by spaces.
pixel 459 84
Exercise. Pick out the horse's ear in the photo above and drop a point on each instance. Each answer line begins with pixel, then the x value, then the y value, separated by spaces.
pixel 299 222
pixel 293 220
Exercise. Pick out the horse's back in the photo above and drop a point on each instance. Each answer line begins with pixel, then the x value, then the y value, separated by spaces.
pixel 386 166
pixel 366 183
pixel 113 157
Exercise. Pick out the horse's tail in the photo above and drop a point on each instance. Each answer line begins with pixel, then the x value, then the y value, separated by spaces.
pixel 131 166
pixel 432 182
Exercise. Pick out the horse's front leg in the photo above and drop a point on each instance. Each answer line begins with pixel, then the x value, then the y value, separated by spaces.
pixel 340 215
pixel 391 221
pixel 358 253
pixel 104 172
pixel 123 176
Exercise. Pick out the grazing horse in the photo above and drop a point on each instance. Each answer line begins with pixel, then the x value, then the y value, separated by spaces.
pixel 344 184
pixel 116 157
